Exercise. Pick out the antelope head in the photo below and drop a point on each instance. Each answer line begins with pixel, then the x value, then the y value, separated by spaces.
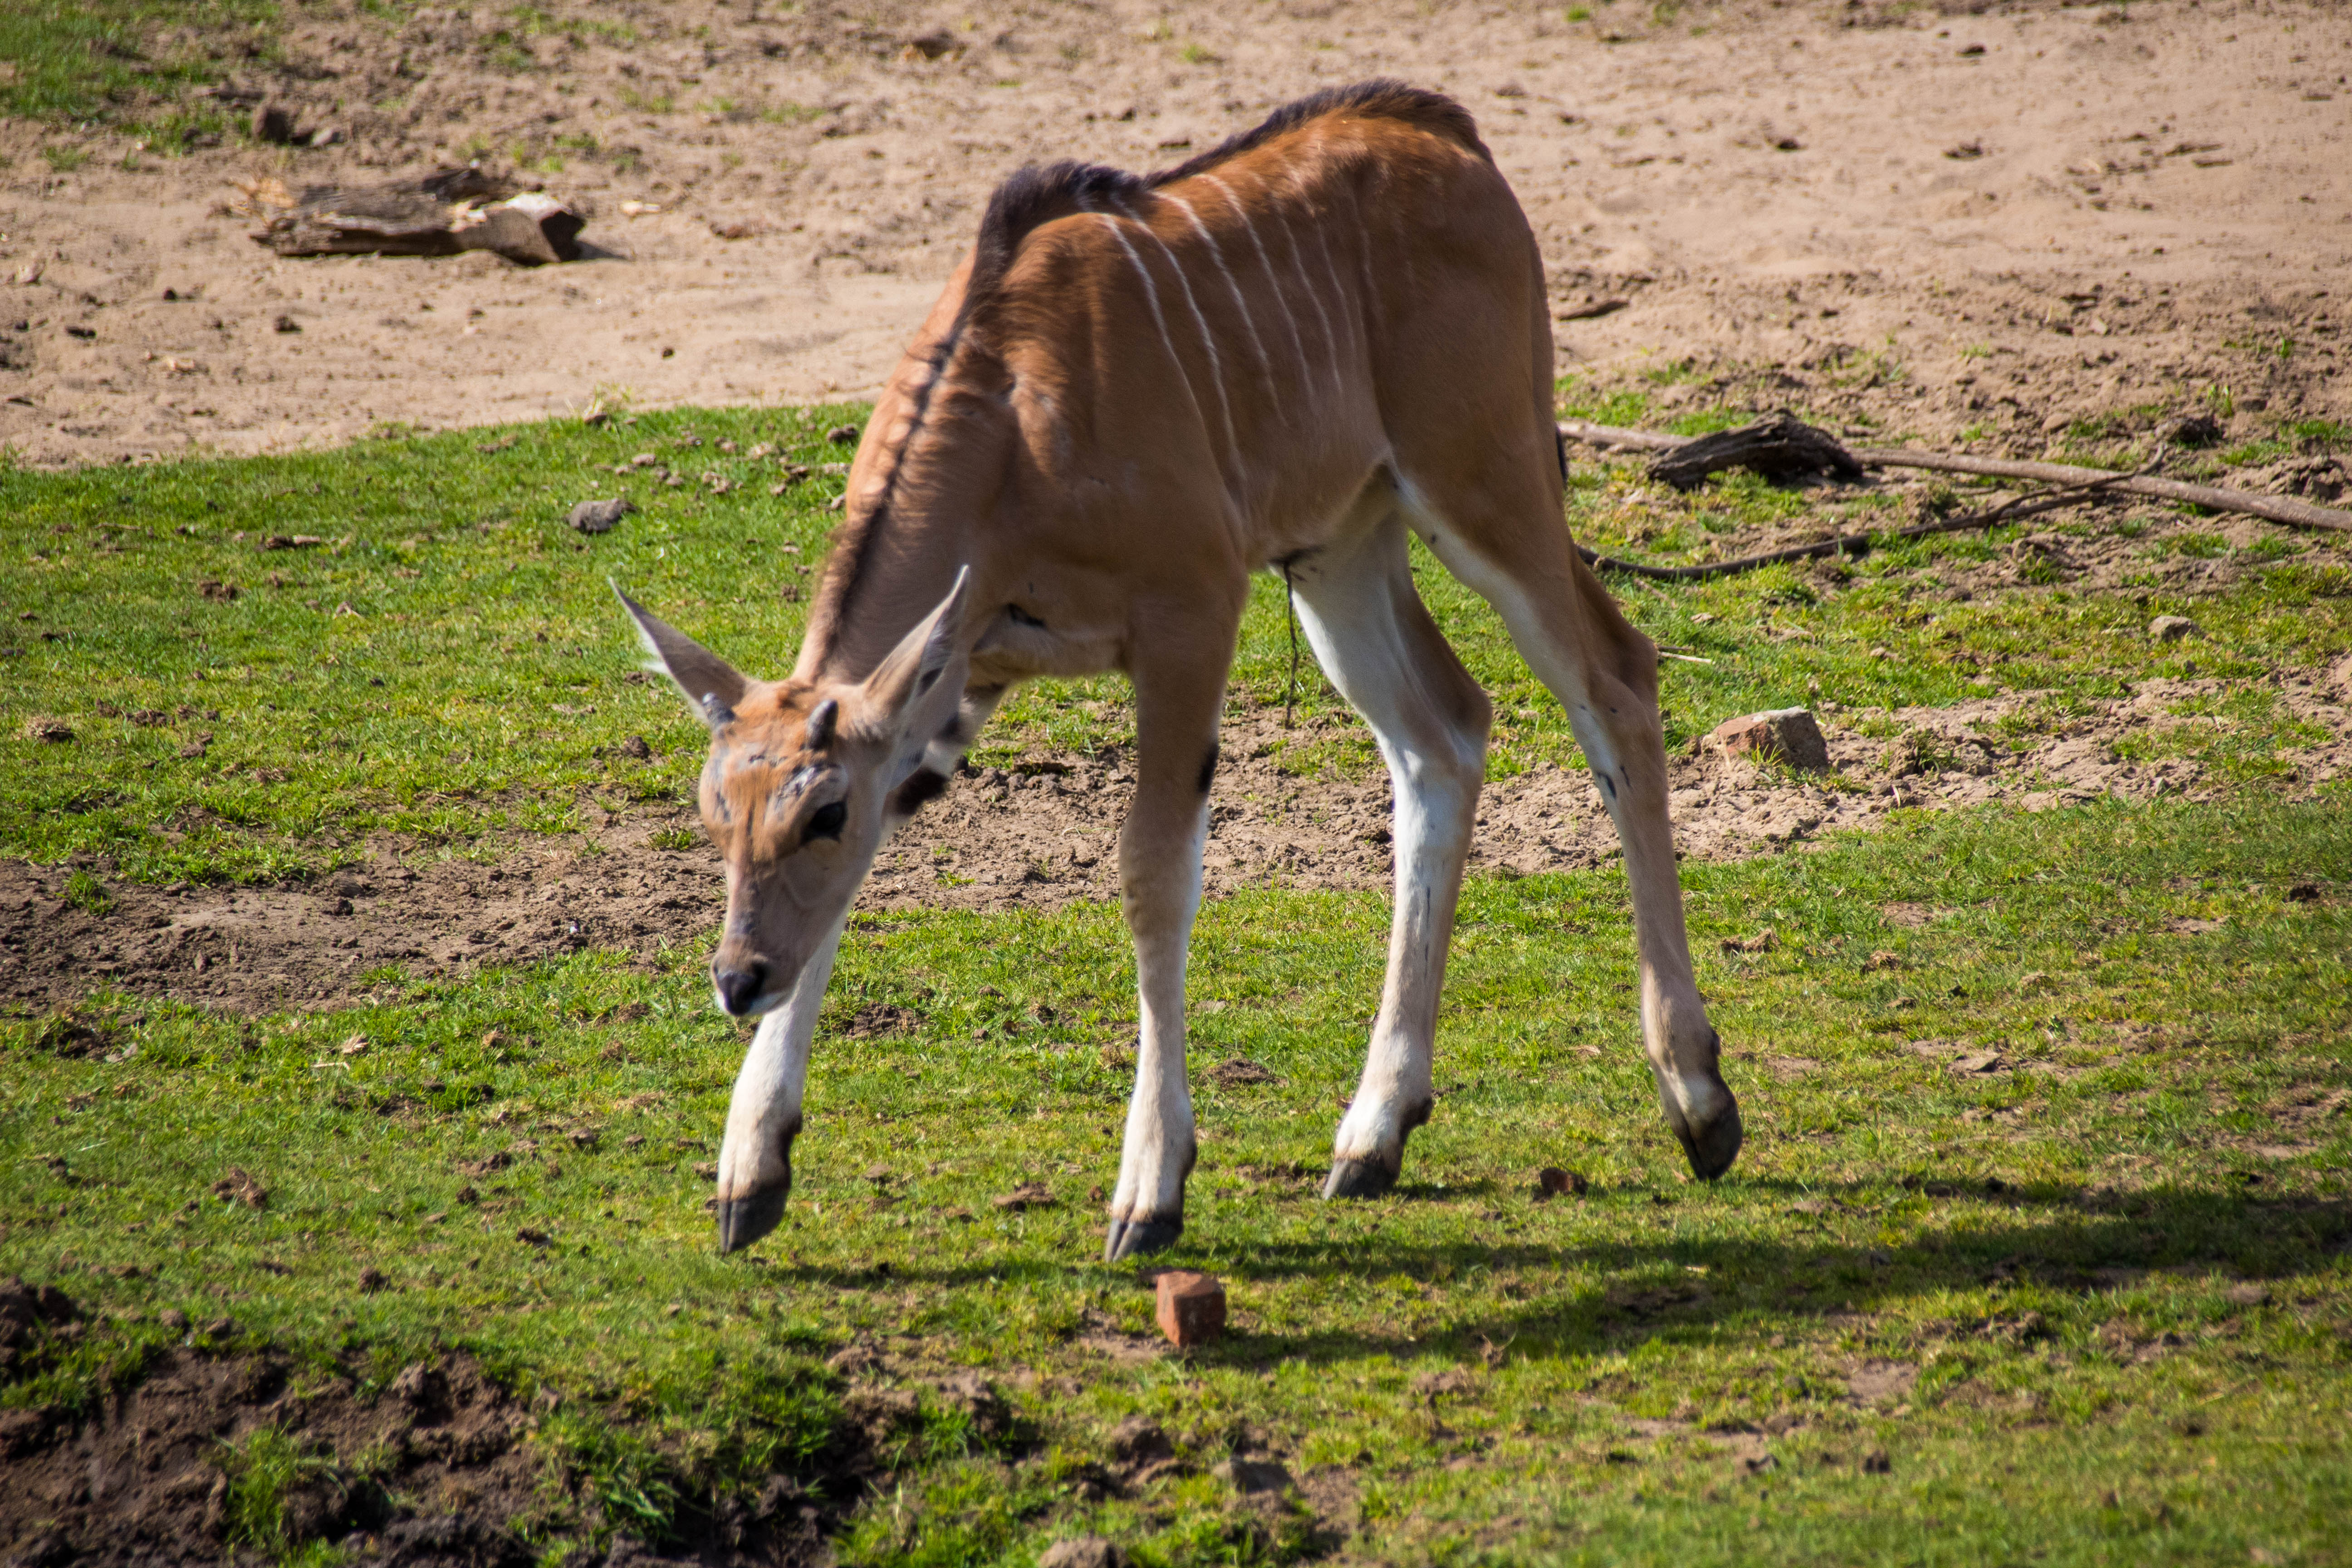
pixel 797 786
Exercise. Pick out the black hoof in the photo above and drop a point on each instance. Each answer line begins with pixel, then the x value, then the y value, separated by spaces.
pixel 1134 1237
pixel 1358 1179
pixel 1715 1146
pixel 742 1221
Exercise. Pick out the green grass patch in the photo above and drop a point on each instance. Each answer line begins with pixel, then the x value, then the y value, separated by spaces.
pixel 2089 1305
pixel 125 63
pixel 264 662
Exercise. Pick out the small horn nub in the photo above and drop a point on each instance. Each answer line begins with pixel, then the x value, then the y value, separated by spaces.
pixel 719 712
pixel 821 722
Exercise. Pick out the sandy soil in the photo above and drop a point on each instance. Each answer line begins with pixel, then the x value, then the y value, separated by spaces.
pixel 2036 212
pixel 1044 835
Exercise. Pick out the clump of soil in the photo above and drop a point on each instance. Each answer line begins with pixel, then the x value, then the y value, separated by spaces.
pixel 436 1471
pixel 147 1476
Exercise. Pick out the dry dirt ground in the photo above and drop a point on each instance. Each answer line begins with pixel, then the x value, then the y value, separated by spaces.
pixel 1042 835
pixel 2037 211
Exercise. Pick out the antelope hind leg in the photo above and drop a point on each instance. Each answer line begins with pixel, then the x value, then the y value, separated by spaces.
pixel 1605 673
pixel 1376 640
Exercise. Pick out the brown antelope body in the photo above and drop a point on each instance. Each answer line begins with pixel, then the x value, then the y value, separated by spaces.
pixel 1285 353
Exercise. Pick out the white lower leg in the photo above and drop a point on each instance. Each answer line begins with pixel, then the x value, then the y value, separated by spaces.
pixel 1378 644
pixel 1435 811
pixel 1147 1210
pixel 755 1158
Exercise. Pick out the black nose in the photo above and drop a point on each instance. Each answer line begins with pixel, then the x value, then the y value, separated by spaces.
pixel 738 988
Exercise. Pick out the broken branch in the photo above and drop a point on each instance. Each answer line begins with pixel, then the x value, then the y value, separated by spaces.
pixel 2277 509
pixel 1860 543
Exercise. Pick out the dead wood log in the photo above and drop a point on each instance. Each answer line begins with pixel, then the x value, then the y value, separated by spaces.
pixel 2277 509
pixel 1780 448
pixel 446 212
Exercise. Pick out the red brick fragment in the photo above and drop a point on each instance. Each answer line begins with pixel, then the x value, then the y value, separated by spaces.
pixel 1191 1308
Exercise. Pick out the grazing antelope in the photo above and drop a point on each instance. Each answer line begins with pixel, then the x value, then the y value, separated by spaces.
pixel 1284 354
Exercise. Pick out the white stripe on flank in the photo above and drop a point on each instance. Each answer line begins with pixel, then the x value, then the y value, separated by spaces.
pixel 1216 363
pixel 1298 343
pixel 1257 346
pixel 1151 296
pixel 1298 265
pixel 1323 244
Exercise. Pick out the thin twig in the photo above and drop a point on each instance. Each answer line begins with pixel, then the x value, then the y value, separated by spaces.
pixel 1861 543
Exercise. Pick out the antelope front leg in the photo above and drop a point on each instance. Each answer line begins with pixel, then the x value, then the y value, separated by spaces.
pixel 1159 877
pixel 1159 887
pixel 755 1158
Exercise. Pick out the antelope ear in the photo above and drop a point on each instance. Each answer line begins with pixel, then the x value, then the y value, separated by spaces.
pixel 712 685
pixel 921 657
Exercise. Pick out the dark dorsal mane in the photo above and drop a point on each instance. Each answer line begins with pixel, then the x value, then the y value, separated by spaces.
pixel 1032 198
pixel 1038 194
pixel 1383 97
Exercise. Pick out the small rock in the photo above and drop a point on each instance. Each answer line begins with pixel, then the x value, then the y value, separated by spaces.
pixel 174 1319
pixel 2171 628
pixel 1787 735
pixel 1083 1551
pixel 1191 1308
pixel 1551 1181
pixel 600 516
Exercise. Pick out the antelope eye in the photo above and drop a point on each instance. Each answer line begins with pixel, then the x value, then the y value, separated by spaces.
pixel 826 821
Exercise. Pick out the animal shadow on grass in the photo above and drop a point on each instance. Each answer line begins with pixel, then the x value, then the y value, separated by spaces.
pixel 2057 1238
